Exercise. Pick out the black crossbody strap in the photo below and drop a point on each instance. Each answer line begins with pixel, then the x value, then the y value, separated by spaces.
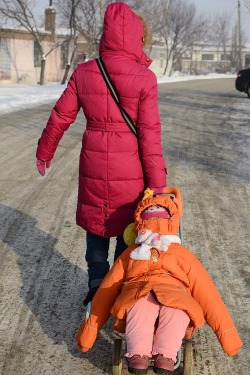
pixel 115 96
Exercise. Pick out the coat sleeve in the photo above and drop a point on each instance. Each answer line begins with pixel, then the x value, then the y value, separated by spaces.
pixel 62 116
pixel 215 312
pixel 149 134
pixel 101 304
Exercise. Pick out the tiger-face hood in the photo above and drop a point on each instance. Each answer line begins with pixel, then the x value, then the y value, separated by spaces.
pixel 158 225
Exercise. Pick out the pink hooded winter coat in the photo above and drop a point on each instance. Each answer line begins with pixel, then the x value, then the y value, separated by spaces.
pixel 112 173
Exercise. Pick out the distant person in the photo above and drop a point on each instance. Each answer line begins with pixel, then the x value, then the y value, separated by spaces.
pixel 158 292
pixel 115 167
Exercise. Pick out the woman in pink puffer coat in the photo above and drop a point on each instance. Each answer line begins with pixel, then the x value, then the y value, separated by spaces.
pixel 115 166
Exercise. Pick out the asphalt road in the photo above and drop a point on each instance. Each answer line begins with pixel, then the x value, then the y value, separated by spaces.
pixel 43 273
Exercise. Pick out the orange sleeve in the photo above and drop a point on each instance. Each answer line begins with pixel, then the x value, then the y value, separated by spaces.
pixel 215 311
pixel 102 302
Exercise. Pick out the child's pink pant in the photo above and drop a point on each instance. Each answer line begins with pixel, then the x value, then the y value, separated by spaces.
pixel 140 326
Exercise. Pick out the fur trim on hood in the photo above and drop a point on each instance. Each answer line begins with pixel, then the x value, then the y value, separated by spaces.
pixel 148 239
pixel 147 35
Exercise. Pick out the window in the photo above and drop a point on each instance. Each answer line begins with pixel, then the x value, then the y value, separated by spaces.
pixel 207 56
pixel 5 60
pixel 224 57
pixel 37 56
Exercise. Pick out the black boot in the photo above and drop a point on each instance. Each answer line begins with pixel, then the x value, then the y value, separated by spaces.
pixel 90 295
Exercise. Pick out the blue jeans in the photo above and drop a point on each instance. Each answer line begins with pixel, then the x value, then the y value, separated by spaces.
pixel 97 257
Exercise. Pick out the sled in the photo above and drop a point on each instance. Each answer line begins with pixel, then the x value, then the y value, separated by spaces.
pixel 183 365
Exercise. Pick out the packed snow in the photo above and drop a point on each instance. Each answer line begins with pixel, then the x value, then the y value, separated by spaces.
pixel 15 97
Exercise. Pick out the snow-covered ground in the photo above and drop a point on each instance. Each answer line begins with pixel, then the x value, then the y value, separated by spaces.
pixel 15 97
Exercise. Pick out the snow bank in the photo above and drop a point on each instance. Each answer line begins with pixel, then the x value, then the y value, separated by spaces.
pixel 15 97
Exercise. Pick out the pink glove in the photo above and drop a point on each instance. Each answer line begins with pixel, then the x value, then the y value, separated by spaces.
pixel 159 190
pixel 42 165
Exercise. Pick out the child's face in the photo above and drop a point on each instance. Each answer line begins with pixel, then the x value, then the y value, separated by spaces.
pixel 154 212
pixel 155 208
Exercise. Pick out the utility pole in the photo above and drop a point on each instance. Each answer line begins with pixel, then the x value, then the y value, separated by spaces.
pixel 239 37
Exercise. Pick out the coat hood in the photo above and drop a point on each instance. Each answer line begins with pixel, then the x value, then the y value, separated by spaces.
pixel 159 225
pixel 123 33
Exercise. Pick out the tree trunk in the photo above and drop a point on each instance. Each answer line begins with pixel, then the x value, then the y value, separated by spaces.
pixel 66 72
pixel 68 65
pixel 42 72
pixel 166 66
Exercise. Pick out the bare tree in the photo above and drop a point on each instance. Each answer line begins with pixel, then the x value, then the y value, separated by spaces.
pixel 199 36
pixel 85 17
pixel 220 30
pixel 220 33
pixel 234 48
pixel 89 14
pixel 173 20
pixel 247 4
pixel 177 23
pixel 21 13
pixel 69 9
pixel 90 25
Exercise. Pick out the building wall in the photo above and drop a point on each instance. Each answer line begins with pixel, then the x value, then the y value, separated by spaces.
pixel 17 57
pixel 22 69
pixel 20 52
pixel 208 59
pixel 158 55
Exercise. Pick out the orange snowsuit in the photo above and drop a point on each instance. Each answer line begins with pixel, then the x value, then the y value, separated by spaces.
pixel 177 279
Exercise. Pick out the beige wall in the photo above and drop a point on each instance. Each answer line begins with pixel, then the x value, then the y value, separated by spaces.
pixel 23 70
pixel 22 62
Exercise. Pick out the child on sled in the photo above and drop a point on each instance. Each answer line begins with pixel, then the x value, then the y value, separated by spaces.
pixel 158 280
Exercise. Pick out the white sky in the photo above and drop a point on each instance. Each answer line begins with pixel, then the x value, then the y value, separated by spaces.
pixel 230 7
pixel 15 97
